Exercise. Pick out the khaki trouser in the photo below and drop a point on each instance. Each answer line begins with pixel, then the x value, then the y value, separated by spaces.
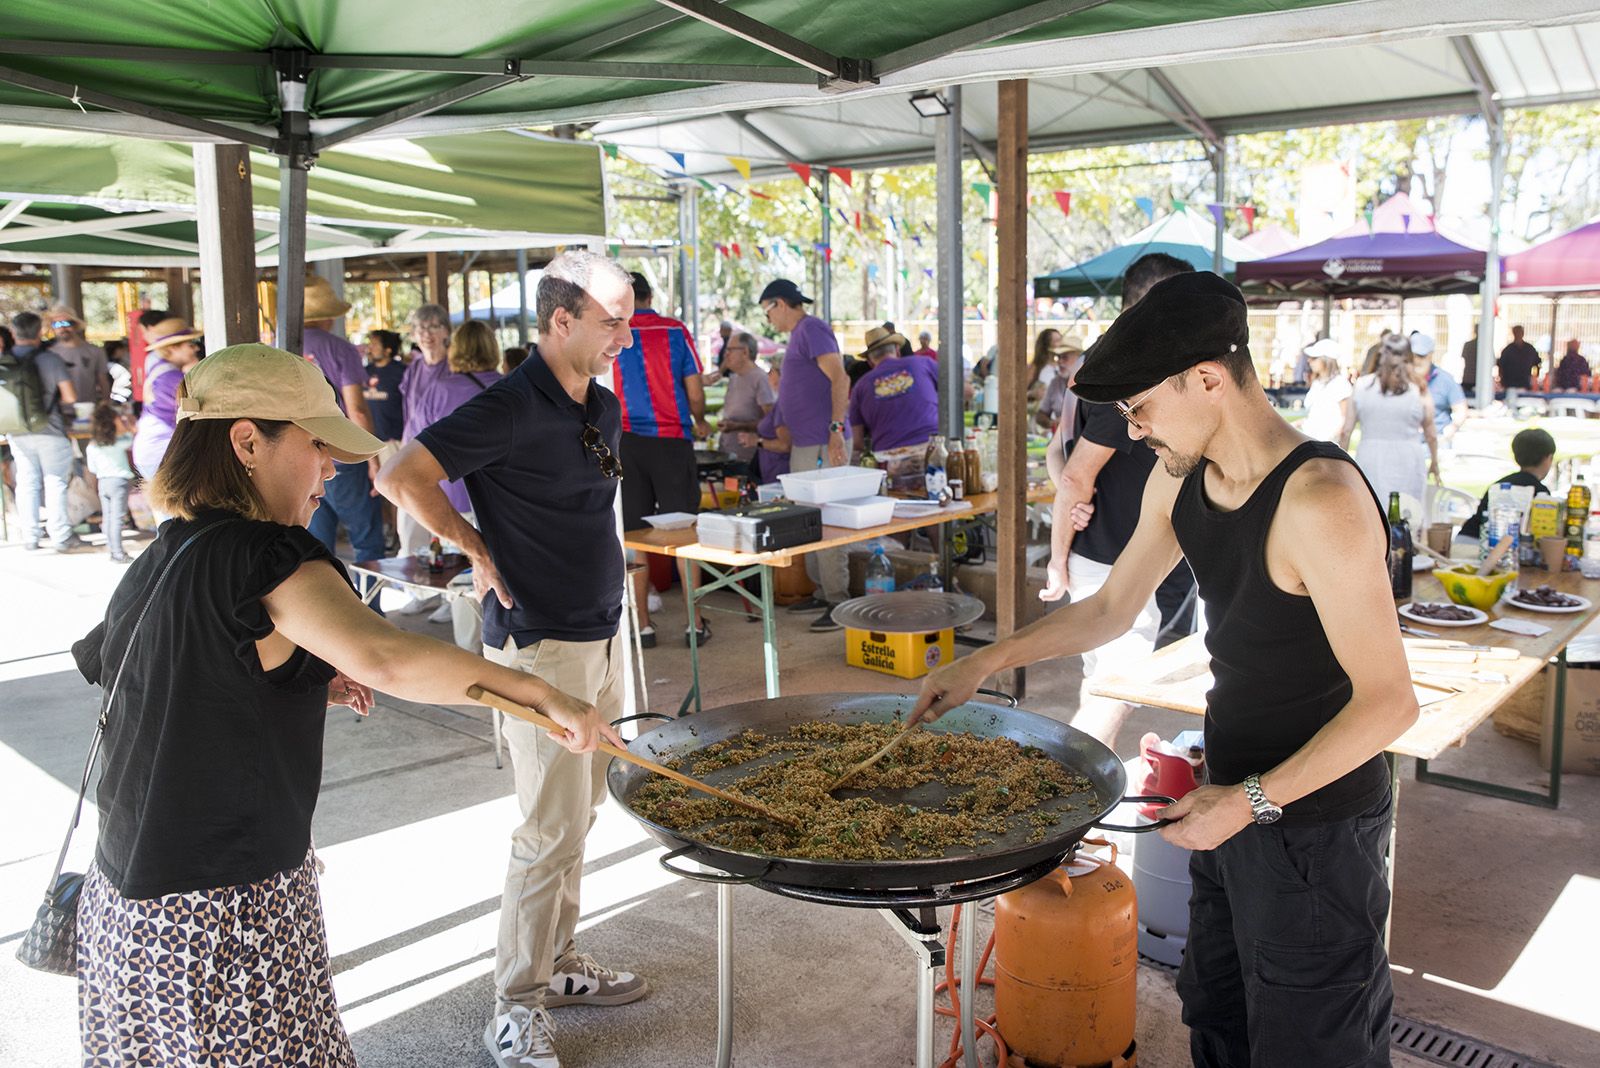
pixel 829 568
pixel 559 793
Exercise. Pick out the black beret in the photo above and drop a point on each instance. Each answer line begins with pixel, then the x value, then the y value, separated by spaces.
pixel 1182 321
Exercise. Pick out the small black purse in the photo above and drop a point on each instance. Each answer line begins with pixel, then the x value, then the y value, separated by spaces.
pixel 51 944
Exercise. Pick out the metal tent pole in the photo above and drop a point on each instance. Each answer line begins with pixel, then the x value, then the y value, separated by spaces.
pixel 295 160
pixel 683 255
pixel 1219 167
pixel 691 275
pixel 1490 291
pixel 949 285
pixel 825 268
pixel 522 297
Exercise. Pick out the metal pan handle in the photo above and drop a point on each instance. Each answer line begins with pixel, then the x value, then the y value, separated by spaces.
pixel 1011 702
pixel 707 877
pixel 1142 799
pixel 640 715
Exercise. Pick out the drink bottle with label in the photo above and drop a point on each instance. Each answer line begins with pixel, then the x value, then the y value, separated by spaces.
pixel 1401 550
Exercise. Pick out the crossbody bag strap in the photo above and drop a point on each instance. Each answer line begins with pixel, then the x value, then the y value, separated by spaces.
pixel 111 692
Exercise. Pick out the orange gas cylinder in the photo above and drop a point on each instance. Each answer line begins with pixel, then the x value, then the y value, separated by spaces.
pixel 1066 959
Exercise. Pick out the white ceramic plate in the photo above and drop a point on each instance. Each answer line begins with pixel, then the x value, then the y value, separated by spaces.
pixel 1583 603
pixel 1421 563
pixel 1478 616
pixel 671 520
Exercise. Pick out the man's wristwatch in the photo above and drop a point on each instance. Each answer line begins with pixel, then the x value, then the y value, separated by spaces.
pixel 1261 810
pixel 836 428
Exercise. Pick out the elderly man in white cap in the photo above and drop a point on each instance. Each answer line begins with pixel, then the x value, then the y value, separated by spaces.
pixel 1449 401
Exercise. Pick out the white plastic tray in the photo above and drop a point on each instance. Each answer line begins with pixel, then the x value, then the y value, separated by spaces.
pixel 858 514
pixel 825 484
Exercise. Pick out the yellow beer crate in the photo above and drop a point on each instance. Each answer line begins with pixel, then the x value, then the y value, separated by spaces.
pixel 909 656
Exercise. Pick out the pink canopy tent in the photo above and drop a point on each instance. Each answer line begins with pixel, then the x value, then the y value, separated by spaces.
pixel 1566 264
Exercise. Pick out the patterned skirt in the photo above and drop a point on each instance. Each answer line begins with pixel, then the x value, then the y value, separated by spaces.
pixel 213 979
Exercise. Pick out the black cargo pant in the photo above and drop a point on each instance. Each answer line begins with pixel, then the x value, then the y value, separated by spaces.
pixel 1285 965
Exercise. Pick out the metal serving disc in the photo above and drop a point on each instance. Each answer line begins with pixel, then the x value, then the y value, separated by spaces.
pixel 909 611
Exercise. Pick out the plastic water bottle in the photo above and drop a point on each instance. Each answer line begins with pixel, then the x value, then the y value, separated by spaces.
pixel 1504 519
pixel 934 582
pixel 880 572
pixel 1589 563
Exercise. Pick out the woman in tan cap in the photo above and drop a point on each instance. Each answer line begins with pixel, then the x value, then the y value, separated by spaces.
pixel 172 346
pixel 201 936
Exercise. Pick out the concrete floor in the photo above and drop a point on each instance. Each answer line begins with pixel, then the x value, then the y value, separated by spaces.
pixel 1494 925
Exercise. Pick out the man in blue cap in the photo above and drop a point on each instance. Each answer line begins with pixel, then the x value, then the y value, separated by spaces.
pixel 814 397
pixel 1285 961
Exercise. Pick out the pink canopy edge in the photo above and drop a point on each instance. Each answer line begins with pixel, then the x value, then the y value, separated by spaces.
pixel 1566 264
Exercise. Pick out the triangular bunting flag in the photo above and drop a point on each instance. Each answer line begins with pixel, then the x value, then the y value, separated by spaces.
pixel 1368 216
pixel 707 186
pixel 613 249
pixel 736 253
pixel 845 176
pixel 872 270
pixel 609 149
pixel 892 183
pixel 679 159
pixel 758 193
pixel 1405 223
pixel 803 170
pixel 1064 201
pixel 905 272
pixel 1216 212
pixel 1146 205
pixel 1178 205
pixel 741 165
pixel 983 189
pixel 1249 213
pixel 858 222
pixel 928 271
pixel 842 216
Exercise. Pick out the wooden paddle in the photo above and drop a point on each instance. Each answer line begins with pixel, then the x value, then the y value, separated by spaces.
pixel 875 757
pixel 523 712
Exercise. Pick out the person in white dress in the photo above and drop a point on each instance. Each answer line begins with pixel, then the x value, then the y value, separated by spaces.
pixel 1399 449
pixel 1328 397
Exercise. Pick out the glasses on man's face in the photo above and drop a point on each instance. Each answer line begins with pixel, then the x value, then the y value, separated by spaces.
pixel 61 324
pixel 1127 408
pixel 610 466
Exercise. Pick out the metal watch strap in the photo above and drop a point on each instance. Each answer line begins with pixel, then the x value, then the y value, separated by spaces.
pixel 1259 803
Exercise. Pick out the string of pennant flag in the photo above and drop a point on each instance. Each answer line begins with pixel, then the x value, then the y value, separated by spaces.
pixel 889 229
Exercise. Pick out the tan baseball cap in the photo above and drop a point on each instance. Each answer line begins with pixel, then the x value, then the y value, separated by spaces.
pixel 261 382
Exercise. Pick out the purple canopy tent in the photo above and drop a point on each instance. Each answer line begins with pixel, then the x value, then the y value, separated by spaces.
pixel 1401 254
pixel 1566 264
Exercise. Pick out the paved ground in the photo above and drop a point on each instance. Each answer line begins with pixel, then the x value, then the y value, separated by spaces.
pixel 1494 916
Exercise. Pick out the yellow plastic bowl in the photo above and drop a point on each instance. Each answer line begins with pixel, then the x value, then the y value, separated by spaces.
pixel 1463 586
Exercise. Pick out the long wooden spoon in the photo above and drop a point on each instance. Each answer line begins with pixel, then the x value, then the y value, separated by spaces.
pixel 523 712
pixel 875 757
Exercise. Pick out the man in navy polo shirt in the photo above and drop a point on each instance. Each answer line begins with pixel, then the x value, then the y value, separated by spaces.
pixel 538 453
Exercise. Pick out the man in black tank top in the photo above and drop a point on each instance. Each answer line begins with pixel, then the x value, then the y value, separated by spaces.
pixel 1285 963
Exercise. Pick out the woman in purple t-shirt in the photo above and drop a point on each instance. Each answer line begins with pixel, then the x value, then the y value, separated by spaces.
pixel 172 349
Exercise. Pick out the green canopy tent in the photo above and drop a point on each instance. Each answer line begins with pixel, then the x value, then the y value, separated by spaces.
pixel 297 79
pixel 89 198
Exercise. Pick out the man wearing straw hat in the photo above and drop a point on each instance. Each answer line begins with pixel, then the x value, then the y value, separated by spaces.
pixel 350 497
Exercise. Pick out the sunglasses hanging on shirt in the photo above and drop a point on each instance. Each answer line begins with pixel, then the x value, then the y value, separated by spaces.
pixel 610 466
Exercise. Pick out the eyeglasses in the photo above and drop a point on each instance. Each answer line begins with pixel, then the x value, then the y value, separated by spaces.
pixel 61 324
pixel 1127 409
pixel 610 466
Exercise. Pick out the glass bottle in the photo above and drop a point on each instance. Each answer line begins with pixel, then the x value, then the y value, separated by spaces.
pixel 1401 551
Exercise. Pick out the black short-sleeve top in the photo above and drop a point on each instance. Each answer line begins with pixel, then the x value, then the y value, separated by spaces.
pixel 211 764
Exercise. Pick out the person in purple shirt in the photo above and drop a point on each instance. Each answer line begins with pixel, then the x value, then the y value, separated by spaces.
pixel 897 402
pixel 349 497
pixel 471 366
pixel 815 397
pixel 171 348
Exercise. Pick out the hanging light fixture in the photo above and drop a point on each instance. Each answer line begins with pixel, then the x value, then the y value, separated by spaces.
pixel 929 104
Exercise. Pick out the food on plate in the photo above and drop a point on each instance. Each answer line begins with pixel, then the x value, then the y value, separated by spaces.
pixel 1545 597
pixel 967 791
pixel 1444 613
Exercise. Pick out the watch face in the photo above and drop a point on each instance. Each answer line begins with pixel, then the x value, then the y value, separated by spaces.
pixel 1268 815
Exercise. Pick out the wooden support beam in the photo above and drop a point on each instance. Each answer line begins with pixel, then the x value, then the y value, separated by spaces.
pixel 180 299
pixel 439 280
pixel 227 245
pixel 66 285
pixel 1011 320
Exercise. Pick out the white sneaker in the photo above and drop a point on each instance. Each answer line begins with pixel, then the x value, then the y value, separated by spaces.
pixel 419 605
pixel 652 601
pixel 442 613
pixel 581 980
pixel 522 1038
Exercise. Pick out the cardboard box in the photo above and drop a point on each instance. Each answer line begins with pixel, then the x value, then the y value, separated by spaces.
pixel 906 656
pixel 1530 714
pixel 1580 742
